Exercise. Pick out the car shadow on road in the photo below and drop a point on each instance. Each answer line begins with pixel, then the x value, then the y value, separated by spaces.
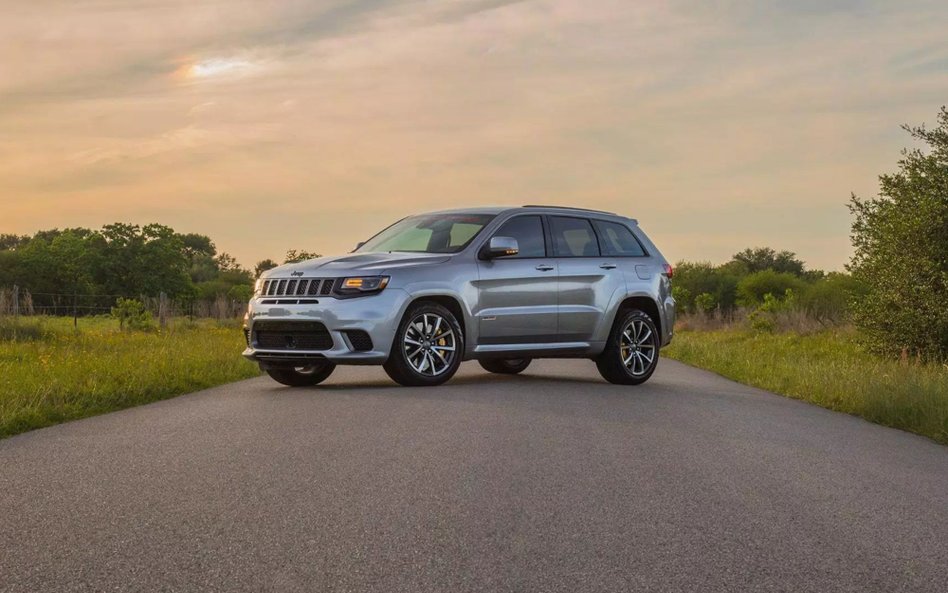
pixel 486 379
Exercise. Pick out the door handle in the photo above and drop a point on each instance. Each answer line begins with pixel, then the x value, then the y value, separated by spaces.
pixel 608 266
pixel 544 267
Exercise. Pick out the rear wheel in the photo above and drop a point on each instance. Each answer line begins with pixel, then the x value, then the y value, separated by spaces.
pixel 303 376
pixel 631 353
pixel 428 346
pixel 506 366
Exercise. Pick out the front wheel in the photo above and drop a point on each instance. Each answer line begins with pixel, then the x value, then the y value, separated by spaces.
pixel 631 353
pixel 428 347
pixel 506 366
pixel 303 376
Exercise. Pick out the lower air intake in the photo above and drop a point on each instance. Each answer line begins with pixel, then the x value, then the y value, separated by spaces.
pixel 360 340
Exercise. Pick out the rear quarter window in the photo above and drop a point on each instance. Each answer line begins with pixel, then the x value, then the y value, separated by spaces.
pixel 617 240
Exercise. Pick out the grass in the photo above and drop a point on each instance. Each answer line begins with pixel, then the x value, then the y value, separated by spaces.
pixel 52 373
pixel 828 369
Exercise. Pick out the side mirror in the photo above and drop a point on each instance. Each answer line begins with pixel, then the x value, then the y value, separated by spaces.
pixel 500 247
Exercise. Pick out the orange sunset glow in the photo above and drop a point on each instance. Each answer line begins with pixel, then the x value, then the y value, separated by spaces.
pixel 311 125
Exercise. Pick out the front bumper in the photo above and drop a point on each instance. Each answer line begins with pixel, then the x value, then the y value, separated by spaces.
pixel 376 315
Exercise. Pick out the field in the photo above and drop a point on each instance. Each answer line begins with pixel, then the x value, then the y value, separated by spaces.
pixel 53 373
pixel 828 369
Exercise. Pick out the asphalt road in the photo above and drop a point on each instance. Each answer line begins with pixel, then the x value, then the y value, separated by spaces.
pixel 553 481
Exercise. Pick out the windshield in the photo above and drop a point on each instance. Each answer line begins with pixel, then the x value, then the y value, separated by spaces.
pixel 429 233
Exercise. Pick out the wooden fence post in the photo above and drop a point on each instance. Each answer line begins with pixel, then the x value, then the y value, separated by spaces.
pixel 162 309
pixel 16 309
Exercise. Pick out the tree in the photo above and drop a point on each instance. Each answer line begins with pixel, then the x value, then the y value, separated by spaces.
pixel 73 262
pixel 901 251
pixel 12 242
pixel 293 256
pixel 143 260
pixel 262 266
pixel 195 244
pixel 765 258
pixel 227 263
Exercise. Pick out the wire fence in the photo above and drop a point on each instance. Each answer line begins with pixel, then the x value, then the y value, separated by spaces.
pixel 19 301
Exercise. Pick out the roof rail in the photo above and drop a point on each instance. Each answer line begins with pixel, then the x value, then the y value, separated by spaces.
pixel 569 208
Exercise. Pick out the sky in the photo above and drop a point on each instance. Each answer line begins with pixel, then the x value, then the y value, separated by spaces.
pixel 271 126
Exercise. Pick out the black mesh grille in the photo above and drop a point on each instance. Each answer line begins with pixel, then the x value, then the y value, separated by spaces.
pixel 327 287
pixel 359 339
pixel 292 335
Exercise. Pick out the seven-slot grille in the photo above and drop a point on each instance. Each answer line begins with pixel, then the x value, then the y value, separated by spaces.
pixel 297 287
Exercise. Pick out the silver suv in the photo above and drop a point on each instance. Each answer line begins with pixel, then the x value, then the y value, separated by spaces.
pixel 498 285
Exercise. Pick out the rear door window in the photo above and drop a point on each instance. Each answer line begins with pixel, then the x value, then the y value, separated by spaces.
pixel 573 237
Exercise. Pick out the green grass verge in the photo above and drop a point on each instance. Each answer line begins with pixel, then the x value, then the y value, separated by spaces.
pixel 53 373
pixel 828 369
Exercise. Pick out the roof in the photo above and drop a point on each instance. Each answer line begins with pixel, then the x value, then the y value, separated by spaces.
pixel 495 210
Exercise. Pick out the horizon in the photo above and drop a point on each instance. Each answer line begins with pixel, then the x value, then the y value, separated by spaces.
pixel 270 128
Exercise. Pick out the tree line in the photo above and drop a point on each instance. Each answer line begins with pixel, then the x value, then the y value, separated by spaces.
pixel 58 266
pixel 751 275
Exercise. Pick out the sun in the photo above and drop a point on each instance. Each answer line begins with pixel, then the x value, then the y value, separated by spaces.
pixel 215 68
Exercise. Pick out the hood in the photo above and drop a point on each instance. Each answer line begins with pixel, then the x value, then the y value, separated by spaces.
pixel 358 263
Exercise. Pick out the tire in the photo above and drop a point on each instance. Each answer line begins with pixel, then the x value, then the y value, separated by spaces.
pixel 303 376
pixel 505 366
pixel 426 352
pixel 625 361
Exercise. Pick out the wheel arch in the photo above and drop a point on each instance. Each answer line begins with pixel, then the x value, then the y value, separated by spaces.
pixel 453 304
pixel 643 303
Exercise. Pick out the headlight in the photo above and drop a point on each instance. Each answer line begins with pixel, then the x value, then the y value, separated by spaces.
pixel 362 285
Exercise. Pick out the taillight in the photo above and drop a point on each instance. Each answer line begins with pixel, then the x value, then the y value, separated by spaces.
pixel 669 271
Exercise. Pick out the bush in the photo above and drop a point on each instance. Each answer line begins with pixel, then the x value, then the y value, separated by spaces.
pixel 683 298
pixel 764 318
pixel 706 303
pixel 828 301
pixel 753 288
pixel 132 313
pixel 693 279
pixel 901 252
pixel 240 292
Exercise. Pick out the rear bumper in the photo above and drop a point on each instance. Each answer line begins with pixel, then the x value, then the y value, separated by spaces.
pixel 376 315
